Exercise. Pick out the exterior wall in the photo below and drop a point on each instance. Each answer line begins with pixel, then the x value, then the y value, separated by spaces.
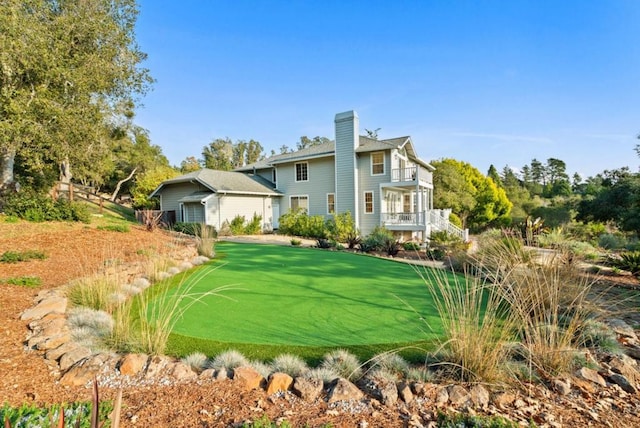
pixel 321 174
pixel 371 183
pixel 169 196
pixel 193 212
pixel 346 164
pixel 266 173
pixel 221 208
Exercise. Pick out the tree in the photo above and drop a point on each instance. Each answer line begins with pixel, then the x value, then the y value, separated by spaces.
pixel 147 182
pixel 218 154
pixel 255 152
pixel 493 174
pixel 475 198
pixel 190 164
pixel 306 142
pixel 67 69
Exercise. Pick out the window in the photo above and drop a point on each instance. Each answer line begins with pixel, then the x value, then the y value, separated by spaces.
pixel 368 202
pixel 302 171
pixel 406 203
pixel 273 176
pixel 331 203
pixel 377 163
pixel 299 202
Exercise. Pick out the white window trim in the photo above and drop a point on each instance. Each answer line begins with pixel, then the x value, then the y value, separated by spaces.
pixel 298 196
pixel 373 203
pixel 384 159
pixel 334 203
pixel 295 172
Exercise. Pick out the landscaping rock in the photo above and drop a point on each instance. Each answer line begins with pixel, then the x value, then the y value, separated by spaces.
pixel 458 395
pixel 248 377
pixel 621 327
pixel 442 396
pixel 623 383
pixel 343 390
pixel 157 366
pixel 633 351
pixel 132 364
pixel 85 370
pixel 503 399
pixel 626 367
pixel 222 374
pixel 52 342
pixel 181 372
pixel 418 388
pixel 591 375
pixel 56 353
pixel 479 396
pixel 207 374
pixel 279 382
pixel 307 389
pixel 70 358
pixel 50 305
pixel 389 394
pixel 562 387
pixel 405 393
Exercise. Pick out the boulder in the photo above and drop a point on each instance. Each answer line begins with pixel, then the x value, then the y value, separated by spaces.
pixel 56 353
pixel 623 383
pixel 279 382
pixel 503 399
pixel 442 396
pixel 73 356
pixel 479 396
pixel 307 389
pixel 405 393
pixel 207 374
pixel 84 371
pixel 157 366
pixel 458 395
pixel 53 342
pixel 50 305
pixel 389 393
pixel 132 364
pixel 181 371
pixel 248 378
pixel 562 387
pixel 343 390
pixel 591 375
pixel 185 266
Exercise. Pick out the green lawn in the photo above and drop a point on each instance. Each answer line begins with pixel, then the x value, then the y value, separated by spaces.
pixel 290 299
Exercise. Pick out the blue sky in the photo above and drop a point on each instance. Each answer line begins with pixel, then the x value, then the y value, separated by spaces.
pixel 485 82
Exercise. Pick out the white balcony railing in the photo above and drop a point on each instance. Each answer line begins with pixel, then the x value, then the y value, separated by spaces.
pixel 411 173
pixel 403 219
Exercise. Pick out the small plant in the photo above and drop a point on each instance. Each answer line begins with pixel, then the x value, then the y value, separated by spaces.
pixel 95 292
pixel 21 256
pixel 629 261
pixel 205 240
pixel 325 243
pixel 24 281
pixel 89 327
pixel 344 363
pixel 296 242
pixel 237 225
pixel 196 360
pixel 122 228
pixel 254 227
pixel 151 219
pixel 228 360
pixel 391 246
pixel 290 364
pixel 469 421
pixel 411 246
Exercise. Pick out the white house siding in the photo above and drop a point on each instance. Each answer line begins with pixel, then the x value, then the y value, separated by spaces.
pixel 321 174
pixel 346 182
pixel 174 192
pixel 223 208
pixel 371 183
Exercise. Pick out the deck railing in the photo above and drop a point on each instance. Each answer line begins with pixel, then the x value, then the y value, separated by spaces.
pixel 403 219
pixel 440 222
pixel 411 173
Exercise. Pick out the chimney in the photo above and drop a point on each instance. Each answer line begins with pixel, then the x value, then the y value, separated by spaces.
pixel 347 140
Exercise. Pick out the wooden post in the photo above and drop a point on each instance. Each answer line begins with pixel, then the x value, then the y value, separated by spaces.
pixel 70 191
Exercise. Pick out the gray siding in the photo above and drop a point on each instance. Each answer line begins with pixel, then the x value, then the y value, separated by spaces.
pixel 346 183
pixel 169 196
pixel 321 174
pixel 371 183
pixel 193 212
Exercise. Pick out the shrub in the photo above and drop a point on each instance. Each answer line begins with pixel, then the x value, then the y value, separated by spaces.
pixel 205 240
pixel 290 364
pixel 379 239
pixel 196 360
pixel 299 223
pixel 228 360
pixel 24 281
pixel 325 243
pixel 344 363
pixel 341 227
pixel 35 207
pixel 392 363
pixel 254 227
pixel 237 225
pixel 21 256
pixel 611 241
pixel 151 219
pixel 629 261
pixel 296 242
pixel 411 246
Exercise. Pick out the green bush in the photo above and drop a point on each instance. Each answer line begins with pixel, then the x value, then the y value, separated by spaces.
pixel 342 227
pixel 629 261
pixel 254 227
pixel 378 240
pixel 299 223
pixel 411 246
pixel 237 225
pixel 35 207
pixel 21 256
pixel 611 241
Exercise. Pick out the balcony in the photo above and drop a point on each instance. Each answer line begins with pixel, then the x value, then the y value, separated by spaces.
pixel 411 174
pixel 403 219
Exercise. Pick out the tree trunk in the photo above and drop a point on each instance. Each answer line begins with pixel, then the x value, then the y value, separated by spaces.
pixel 7 161
pixel 120 183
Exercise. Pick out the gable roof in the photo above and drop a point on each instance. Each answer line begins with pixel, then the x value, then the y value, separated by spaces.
pixel 365 144
pixel 224 182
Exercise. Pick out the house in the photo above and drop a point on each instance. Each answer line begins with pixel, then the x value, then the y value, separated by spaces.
pixel 213 197
pixel 381 182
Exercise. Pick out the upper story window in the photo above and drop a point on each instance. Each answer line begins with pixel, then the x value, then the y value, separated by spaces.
pixel 302 171
pixel 377 163
pixel 273 175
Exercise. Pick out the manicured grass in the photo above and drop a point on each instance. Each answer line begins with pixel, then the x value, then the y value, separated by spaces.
pixel 288 299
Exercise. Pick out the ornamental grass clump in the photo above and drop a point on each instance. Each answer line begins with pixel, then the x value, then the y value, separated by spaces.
pixel 196 360
pixel 344 363
pixel 89 327
pixel 205 240
pixel 290 364
pixel 95 292
pixel 228 360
